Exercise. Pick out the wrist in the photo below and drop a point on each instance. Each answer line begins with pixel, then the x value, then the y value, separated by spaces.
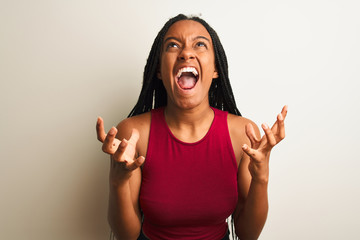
pixel 259 173
pixel 119 177
pixel 119 183
pixel 260 180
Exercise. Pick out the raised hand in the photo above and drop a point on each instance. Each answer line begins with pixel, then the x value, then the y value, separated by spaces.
pixel 122 153
pixel 260 149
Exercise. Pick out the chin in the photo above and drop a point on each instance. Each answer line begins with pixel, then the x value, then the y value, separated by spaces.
pixel 188 104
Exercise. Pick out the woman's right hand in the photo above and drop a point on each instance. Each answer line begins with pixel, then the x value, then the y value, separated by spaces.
pixel 122 153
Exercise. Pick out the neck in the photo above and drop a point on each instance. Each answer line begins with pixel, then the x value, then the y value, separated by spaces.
pixel 189 125
pixel 192 116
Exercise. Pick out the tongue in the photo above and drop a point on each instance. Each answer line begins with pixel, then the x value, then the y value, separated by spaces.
pixel 187 82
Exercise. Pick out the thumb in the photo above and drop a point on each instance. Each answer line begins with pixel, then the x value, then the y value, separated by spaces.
pixel 249 151
pixel 137 163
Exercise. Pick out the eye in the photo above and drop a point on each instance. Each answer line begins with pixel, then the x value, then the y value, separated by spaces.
pixel 201 44
pixel 171 45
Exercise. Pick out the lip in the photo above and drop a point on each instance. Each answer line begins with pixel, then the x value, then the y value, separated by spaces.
pixel 177 79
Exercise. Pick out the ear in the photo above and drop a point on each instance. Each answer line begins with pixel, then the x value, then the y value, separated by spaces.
pixel 215 74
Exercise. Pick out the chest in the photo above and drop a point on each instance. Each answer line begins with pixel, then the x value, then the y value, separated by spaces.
pixel 188 184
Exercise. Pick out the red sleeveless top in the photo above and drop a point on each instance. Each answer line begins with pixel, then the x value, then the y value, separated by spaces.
pixel 188 190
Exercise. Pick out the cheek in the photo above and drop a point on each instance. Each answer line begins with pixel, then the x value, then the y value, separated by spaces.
pixel 208 59
pixel 165 74
pixel 166 66
pixel 211 70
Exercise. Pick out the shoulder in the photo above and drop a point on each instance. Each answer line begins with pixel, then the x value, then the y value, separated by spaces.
pixel 139 122
pixel 237 132
pixel 142 124
pixel 237 125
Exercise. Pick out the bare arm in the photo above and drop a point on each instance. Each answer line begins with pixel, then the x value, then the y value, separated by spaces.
pixel 125 178
pixel 251 211
pixel 253 176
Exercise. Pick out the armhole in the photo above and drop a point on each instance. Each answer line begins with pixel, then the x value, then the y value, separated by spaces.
pixel 149 145
pixel 230 145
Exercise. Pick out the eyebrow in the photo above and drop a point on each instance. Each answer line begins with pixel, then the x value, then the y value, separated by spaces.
pixel 202 37
pixel 195 38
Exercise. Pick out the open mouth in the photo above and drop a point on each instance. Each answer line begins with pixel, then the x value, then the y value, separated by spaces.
pixel 187 78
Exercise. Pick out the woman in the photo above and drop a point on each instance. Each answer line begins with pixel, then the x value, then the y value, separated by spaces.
pixel 204 162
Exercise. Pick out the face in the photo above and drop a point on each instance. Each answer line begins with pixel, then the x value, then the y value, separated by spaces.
pixel 187 64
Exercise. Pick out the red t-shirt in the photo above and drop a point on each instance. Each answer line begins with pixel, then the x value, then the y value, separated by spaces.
pixel 188 190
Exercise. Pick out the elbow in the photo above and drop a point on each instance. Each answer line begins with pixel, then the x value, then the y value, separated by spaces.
pixel 244 233
pixel 124 233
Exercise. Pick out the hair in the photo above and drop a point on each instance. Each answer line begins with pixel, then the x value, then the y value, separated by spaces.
pixel 153 93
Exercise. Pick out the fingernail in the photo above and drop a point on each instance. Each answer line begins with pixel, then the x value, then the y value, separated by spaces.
pixel 280 117
pixel 98 120
pixel 123 144
pixel 265 126
pixel 244 147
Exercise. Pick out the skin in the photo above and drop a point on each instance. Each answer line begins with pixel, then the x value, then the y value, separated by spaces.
pixel 189 117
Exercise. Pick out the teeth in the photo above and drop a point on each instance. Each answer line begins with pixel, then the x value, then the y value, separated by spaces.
pixel 187 69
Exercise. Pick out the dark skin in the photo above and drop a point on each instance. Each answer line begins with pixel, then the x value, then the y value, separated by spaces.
pixel 189 117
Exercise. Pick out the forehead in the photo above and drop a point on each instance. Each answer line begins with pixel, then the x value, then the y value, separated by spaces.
pixel 186 29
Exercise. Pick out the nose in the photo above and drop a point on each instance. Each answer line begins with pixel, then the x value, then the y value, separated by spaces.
pixel 186 54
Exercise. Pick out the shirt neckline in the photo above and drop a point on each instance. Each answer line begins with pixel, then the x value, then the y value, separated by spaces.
pixel 183 142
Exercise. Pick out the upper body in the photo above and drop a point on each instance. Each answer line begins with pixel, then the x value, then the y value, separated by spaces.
pixel 187 70
pixel 237 134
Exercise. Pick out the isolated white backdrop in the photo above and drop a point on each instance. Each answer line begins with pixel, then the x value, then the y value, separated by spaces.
pixel 63 63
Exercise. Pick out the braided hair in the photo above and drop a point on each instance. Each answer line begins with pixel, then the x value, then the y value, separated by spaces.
pixel 153 94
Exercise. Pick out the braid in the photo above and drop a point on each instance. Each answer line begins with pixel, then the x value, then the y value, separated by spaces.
pixel 221 96
pixel 153 93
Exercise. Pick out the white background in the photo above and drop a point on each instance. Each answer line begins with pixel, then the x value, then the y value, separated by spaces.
pixel 63 63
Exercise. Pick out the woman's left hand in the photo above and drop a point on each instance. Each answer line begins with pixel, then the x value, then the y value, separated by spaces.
pixel 260 149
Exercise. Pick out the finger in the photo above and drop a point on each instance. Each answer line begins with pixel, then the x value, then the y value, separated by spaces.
pixel 284 111
pixel 275 127
pixel 100 129
pixel 250 133
pixel 249 151
pixel 119 153
pixel 134 136
pixel 271 141
pixel 137 163
pixel 281 127
pixel 109 146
